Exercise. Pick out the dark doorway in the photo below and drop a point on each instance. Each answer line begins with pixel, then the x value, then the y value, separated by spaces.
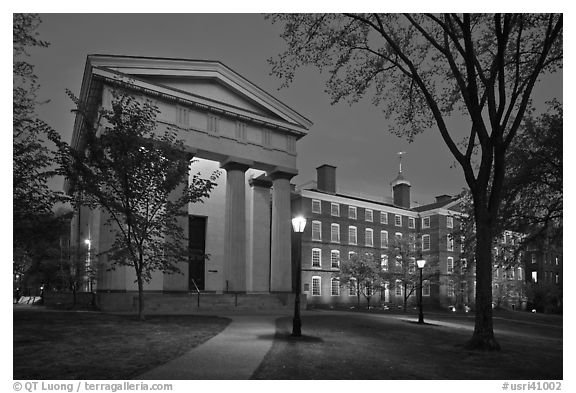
pixel 197 246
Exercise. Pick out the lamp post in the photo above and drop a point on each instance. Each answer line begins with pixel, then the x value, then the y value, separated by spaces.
pixel 421 263
pixel 298 224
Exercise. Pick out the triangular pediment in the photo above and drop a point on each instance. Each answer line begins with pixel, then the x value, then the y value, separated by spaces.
pixel 208 83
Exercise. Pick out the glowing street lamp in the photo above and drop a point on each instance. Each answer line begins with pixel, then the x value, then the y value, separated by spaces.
pixel 421 263
pixel 298 224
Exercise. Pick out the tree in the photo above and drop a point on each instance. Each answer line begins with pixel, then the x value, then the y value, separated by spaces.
pixel 33 200
pixel 361 274
pixel 403 271
pixel 426 67
pixel 138 177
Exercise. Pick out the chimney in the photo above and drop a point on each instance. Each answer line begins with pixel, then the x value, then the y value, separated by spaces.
pixel 326 178
pixel 443 198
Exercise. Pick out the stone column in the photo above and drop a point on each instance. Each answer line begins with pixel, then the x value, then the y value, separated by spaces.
pixel 258 266
pixel 179 282
pixel 235 228
pixel 281 260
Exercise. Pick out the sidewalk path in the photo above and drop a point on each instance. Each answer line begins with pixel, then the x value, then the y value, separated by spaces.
pixel 235 353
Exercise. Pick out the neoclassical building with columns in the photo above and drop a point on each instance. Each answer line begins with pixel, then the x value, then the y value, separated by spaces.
pixel 228 124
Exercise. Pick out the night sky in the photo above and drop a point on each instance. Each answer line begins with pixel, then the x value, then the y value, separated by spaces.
pixel 355 139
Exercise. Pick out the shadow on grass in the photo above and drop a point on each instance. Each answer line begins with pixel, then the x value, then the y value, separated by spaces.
pixel 289 338
pixel 421 324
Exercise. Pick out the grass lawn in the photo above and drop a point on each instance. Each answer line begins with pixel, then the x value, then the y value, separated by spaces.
pixel 90 345
pixel 364 346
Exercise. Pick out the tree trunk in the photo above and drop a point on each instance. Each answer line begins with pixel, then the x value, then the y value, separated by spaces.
pixel 405 298
pixel 483 336
pixel 368 302
pixel 140 299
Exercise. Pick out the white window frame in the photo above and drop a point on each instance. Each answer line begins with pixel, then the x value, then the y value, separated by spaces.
pixel 424 248
pixel 319 231
pixel 332 281
pixel 334 209
pixel 411 222
pixel 319 286
pixel 384 262
pixel 449 242
pixel 369 237
pixel 352 288
pixel 449 222
pixel 335 239
pixel 368 217
pixel 425 222
pixel 351 215
pixel 334 253
pixel 352 229
pixel 397 218
pixel 449 265
pixel 398 289
pixel 384 239
pixel 318 204
pixel 384 218
pixel 316 251
pixel 398 235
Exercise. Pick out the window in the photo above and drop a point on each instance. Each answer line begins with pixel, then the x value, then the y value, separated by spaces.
pixel 557 278
pixel 398 220
pixel 533 257
pixel 316 257
pixel 335 259
pixel 449 222
pixel 316 286
pixel 368 215
pixel 425 242
pixel 384 262
pixel 306 287
pixel 352 235
pixel 335 287
pixel 412 241
pixel 369 237
pixel 383 239
pixel 519 275
pixel 398 236
pixel 426 288
pixel 464 263
pixel 411 222
pixel 535 276
pixel 399 261
pixel 556 261
pixel 426 222
pixel 316 206
pixel 412 266
pixel 335 209
pixel 398 288
pixel 450 289
pixel 316 230
pixel 450 265
pixel 383 218
pixel 352 212
pixel 352 287
pixel 450 243
pixel 335 233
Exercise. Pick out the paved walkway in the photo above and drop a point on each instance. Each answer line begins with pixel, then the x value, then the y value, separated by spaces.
pixel 235 353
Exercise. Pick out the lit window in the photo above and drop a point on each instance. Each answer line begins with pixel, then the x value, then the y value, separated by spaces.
pixel 426 288
pixel 352 287
pixel 369 237
pixel 449 222
pixel 316 206
pixel 425 242
pixel 384 262
pixel 368 215
pixel 398 220
pixel 316 230
pixel 335 233
pixel 352 212
pixel 335 209
pixel 556 260
pixel 411 222
pixel 519 273
pixel 383 218
pixel 557 278
pixel 316 286
pixel 535 276
pixel 450 242
pixel 450 265
pixel 383 239
pixel 335 259
pixel 352 239
pixel 316 257
pixel 426 222
pixel 335 287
